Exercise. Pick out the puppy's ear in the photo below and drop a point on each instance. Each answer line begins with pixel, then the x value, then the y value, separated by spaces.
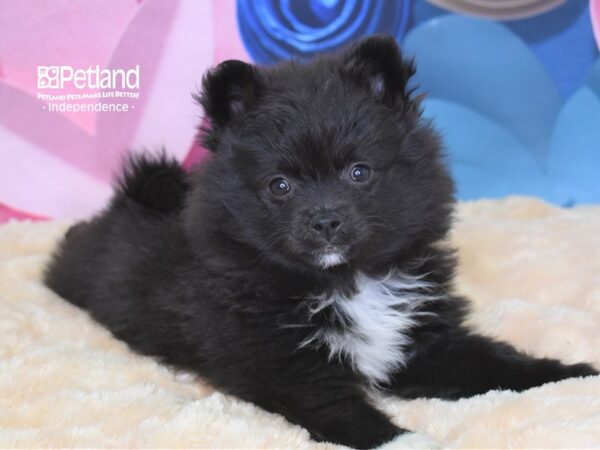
pixel 376 64
pixel 228 91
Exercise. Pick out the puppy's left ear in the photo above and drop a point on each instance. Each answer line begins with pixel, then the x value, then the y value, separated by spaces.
pixel 376 64
pixel 228 91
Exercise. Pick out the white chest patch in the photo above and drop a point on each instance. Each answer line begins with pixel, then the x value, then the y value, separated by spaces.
pixel 378 317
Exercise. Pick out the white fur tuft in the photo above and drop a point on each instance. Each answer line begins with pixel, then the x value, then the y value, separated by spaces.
pixel 331 259
pixel 379 314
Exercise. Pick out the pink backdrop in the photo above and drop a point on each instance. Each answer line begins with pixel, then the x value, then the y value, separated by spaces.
pixel 59 165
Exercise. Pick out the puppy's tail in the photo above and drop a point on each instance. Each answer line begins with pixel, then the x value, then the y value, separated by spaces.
pixel 156 182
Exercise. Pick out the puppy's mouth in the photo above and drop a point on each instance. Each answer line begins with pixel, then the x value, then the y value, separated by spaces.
pixel 330 257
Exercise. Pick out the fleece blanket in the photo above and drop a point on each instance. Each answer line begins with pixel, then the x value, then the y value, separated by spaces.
pixel 531 269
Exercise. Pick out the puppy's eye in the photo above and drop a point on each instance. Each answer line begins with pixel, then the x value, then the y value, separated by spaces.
pixel 279 187
pixel 360 173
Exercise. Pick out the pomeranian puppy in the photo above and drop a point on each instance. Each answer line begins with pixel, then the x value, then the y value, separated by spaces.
pixel 302 266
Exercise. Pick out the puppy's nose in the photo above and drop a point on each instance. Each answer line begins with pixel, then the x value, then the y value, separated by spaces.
pixel 326 225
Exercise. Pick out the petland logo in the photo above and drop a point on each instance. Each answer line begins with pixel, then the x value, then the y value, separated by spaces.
pixel 96 90
pixel 59 77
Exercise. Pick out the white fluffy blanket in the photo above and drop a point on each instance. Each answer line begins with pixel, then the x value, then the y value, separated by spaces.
pixel 532 270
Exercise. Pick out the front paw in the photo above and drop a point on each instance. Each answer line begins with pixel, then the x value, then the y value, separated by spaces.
pixel 551 370
pixel 411 440
pixel 580 370
pixel 369 433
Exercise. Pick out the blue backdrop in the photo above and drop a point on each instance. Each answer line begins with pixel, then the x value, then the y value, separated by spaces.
pixel 518 101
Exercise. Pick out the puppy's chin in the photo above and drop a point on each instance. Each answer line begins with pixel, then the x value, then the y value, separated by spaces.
pixel 330 258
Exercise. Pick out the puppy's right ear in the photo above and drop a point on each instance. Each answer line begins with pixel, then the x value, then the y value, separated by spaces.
pixel 228 91
pixel 376 63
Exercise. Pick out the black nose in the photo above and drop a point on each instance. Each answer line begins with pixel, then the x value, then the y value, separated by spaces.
pixel 326 225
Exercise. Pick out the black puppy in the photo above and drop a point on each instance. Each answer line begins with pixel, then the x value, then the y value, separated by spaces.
pixel 302 265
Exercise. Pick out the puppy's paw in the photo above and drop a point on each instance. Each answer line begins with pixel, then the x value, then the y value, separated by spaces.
pixel 412 440
pixel 581 370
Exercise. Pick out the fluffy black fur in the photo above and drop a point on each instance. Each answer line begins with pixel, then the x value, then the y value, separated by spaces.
pixel 158 183
pixel 207 272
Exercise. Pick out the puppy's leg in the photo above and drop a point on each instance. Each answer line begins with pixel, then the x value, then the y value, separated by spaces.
pixel 337 414
pixel 332 409
pixel 461 364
